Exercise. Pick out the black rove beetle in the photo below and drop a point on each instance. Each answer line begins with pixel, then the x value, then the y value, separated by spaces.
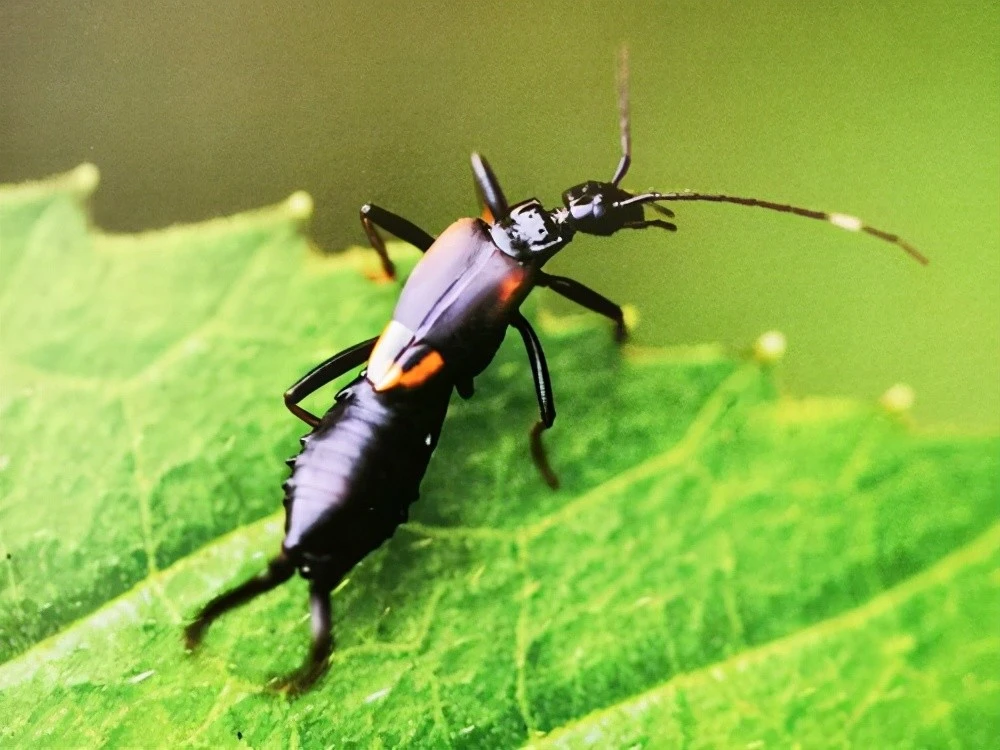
pixel 361 466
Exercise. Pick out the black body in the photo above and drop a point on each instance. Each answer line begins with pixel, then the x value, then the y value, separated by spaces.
pixel 361 466
pixel 357 475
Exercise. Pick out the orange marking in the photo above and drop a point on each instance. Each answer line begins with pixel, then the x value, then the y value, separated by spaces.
pixel 510 285
pixel 487 215
pixel 423 370
pixel 419 374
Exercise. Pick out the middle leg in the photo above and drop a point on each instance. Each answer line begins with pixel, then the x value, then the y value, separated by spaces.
pixel 543 390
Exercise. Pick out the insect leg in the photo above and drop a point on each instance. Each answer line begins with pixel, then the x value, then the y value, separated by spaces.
pixel 322 374
pixel 587 297
pixel 466 388
pixel 372 216
pixel 279 570
pixel 317 661
pixel 543 389
pixel 488 190
pixel 659 223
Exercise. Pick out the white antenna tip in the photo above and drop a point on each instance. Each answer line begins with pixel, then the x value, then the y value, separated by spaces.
pixel 845 221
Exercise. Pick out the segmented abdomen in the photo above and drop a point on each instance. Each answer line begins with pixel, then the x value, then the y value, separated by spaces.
pixel 359 471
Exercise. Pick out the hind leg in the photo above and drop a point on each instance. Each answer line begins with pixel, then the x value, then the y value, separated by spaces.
pixel 317 662
pixel 279 570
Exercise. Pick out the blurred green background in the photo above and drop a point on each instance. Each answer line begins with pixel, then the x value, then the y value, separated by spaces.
pixel 890 111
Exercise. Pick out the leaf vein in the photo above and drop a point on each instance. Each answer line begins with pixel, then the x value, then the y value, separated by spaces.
pixel 522 638
pixel 977 550
pixel 143 491
pixel 682 452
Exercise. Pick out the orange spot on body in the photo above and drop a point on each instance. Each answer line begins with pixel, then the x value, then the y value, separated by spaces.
pixel 510 285
pixel 416 374
pixel 422 371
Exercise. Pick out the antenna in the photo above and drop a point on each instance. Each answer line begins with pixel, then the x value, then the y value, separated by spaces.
pixel 844 221
pixel 623 118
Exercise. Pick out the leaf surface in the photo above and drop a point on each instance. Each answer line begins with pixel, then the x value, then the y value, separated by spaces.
pixel 722 566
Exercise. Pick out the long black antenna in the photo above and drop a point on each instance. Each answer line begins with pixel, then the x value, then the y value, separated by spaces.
pixel 623 118
pixel 844 221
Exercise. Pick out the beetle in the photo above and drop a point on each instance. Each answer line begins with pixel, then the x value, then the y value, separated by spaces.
pixel 361 466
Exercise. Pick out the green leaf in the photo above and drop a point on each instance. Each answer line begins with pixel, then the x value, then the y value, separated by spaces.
pixel 722 567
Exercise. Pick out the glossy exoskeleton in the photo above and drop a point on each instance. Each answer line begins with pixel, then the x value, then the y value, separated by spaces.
pixel 361 466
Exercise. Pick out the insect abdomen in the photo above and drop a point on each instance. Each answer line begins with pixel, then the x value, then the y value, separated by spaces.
pixel 359 471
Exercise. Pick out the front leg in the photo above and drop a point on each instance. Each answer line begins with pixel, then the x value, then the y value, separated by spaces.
pixel 543 390
pixel 323 373
pixel 587 297
pixel 658 223
pixel 492 201
pixel 372 216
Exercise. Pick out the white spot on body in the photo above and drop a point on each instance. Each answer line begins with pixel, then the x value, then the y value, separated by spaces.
pixel 427 440
pixel 394 339
pixel 846 221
